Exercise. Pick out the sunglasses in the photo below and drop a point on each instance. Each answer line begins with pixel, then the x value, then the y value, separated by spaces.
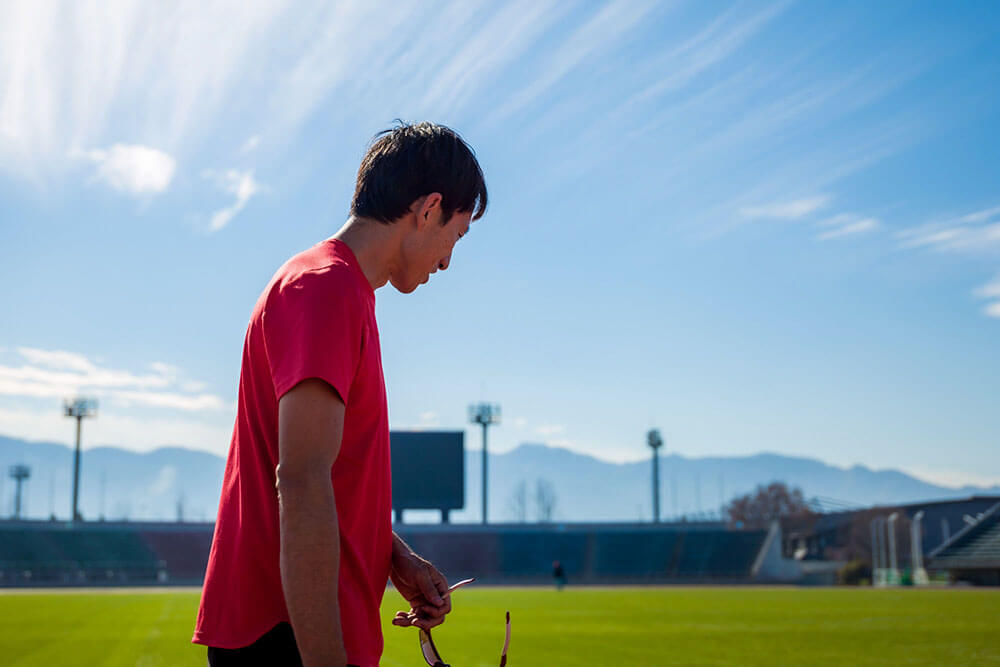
pixel 430 652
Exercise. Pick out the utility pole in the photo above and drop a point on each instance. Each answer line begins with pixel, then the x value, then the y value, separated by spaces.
pixel 654 441
pixel 484 414
pixel 79 409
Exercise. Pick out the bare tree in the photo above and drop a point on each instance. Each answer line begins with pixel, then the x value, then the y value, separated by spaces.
pixel 545 500
pixel 517 504
pixel 767 503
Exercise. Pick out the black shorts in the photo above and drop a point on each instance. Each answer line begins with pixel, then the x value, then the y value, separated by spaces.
pixel 275 647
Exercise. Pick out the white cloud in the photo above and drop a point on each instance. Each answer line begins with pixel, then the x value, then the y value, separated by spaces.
pixel 787 210
pixel 250 145
pixel 197 403
pixel 240 184
pixel 58 374
pixel 193 386
pixel 847 225
pixel 981 216
pixel 565 443
pixel 550 429
pixel 134 169
pixel 57 359
pixel 991 291
pixel 952 478
pixel 611 24
pixel 164 369
pixel 85 74
pixel 139 433
pixel 429 419
pixel 973 232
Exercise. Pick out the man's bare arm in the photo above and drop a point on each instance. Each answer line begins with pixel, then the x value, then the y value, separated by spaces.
pixel 310 427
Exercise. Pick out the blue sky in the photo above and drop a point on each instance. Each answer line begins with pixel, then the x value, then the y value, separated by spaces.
pixel 756 227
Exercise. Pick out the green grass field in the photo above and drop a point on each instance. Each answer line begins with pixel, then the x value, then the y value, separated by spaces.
pixel 588 626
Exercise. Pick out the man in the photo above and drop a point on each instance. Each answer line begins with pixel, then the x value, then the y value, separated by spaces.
pixel 303 542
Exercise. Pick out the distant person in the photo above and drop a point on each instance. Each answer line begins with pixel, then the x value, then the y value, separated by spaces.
pixel 303 544
pixel 558 574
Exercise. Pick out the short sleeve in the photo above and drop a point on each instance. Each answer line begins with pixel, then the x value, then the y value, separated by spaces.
pixel 313 328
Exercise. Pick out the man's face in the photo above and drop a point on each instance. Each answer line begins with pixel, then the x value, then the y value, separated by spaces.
pixel 427 249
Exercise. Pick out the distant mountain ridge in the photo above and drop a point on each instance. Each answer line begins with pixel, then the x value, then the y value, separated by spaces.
pixel 174 481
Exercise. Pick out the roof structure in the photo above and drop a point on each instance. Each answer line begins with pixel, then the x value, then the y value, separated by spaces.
pixel 975 547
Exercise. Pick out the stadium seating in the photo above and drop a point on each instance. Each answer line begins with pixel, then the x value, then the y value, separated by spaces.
pixel 635 554
pixel 59 554
pixel 92 553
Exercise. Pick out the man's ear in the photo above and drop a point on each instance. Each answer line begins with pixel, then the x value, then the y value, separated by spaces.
pixel 427 207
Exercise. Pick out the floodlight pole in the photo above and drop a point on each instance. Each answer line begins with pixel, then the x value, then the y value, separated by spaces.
pixel 878 551
pixel 79 409
pixel 917 551
pixel 654 441
pixel 484 414
pixel 19 473
pixel 893 572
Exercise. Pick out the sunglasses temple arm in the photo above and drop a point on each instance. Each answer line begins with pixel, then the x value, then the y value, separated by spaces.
pixel 506 644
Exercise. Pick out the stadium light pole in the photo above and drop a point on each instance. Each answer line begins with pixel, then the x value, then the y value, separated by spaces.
pixel 484 414
pixel 873 524
pixel 79 409
pixel 654 441
pixel 917 551
pixel 19 473
pixel 893 572
pixel 880 550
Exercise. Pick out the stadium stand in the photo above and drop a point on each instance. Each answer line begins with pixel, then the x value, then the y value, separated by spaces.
pixel 37 553
pixel 973 554
pixel 132 553
pixel 826 536
pixel 590 553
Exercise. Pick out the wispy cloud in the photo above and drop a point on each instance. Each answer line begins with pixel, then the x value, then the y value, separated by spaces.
pixel 137 170
pixel 786 210
pixel 605 28
pixel 972 232
pixel 714 43
pixel 141 433
pixel 846 224
pixel 240 184
pixel 59 374
pixel 550 429
pixel 429 419
pixel 250 145
pixel 81 74
pixel 990 291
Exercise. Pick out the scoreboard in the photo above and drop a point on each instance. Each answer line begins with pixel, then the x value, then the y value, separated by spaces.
pixel 428 470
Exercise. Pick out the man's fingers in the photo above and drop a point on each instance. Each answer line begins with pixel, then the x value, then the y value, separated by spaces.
pixel 404 619
pixel 430 611
pixel 430 590
pixel 428 623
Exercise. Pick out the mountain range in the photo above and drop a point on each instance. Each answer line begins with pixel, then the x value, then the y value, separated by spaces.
pixel 175 482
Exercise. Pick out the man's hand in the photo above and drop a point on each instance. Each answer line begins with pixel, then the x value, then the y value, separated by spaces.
pixel 422 585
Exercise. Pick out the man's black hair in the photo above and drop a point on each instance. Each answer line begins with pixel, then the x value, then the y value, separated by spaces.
pixel 410 161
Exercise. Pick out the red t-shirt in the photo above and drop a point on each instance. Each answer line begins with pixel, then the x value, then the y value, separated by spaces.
pixel 316 319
